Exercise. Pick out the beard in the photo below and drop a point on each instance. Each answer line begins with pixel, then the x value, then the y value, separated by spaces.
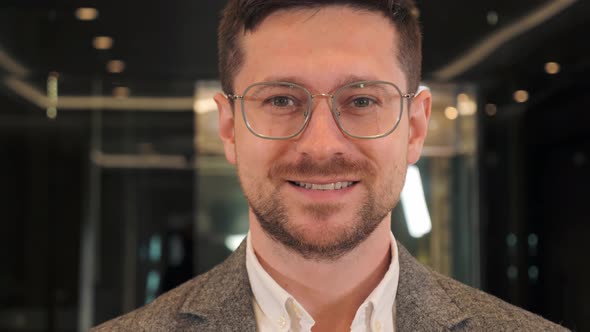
pixel 328 242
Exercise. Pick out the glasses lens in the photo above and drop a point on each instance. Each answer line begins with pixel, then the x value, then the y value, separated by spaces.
pixel 369 108
pixel 276 110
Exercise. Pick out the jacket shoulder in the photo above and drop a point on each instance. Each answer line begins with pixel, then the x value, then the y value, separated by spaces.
pixel 487 311
pixel 157 315
pixel 218 300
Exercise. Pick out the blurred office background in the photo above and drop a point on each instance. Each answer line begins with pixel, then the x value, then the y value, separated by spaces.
pixel 114 189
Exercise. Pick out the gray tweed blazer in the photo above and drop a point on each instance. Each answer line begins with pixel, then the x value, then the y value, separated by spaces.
pixel 221 300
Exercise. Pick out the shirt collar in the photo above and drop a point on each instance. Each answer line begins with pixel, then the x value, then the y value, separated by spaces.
pixel 378 306
pixel 281 308
pixel 274 301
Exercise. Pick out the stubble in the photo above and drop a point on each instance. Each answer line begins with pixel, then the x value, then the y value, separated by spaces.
pixel 330 241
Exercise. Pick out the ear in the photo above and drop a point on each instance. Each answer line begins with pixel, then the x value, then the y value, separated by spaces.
pixel 419 114
pixel 226 127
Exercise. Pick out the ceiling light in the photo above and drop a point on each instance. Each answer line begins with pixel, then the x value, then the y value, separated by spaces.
pixel 451 113
pixel 521 96
pixel 491 109
pixel 102 42
pixel 121 92
pixel 552 68
pixel 86 14
pixel 115 66
pixel 492 17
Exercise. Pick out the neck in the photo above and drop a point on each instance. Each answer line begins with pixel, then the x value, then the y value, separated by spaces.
pixel 328 290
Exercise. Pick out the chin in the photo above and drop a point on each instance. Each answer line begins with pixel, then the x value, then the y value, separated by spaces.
pixel 322 233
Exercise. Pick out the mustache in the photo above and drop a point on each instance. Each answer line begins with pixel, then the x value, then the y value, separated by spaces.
pixel 335 166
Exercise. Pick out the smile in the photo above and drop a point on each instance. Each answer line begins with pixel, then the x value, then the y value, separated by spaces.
pixel 327 186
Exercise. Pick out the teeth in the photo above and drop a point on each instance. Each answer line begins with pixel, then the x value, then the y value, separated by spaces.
pixel 328 186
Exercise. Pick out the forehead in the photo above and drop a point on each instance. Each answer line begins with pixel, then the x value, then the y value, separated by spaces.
pixel 320 44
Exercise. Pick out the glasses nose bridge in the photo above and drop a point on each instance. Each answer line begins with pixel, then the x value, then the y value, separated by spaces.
pixel 328 96
pixel 331 106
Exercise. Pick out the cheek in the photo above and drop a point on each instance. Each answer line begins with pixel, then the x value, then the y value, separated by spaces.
pixel 391 162
pixel 255 155
pixel 248 146
pixel 387 152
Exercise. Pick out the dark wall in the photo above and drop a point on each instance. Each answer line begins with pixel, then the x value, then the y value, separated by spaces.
pixel 42 182
pixel 535 170
pixel 558 192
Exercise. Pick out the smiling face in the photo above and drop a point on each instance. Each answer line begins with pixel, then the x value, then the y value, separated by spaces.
pixel 322 192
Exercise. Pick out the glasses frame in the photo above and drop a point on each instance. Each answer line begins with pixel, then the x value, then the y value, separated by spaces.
pixel 334 111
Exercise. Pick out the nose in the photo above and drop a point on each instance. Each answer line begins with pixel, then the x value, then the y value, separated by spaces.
pixel 322 138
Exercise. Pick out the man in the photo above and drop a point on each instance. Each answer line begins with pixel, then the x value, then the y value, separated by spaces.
pixel 322 114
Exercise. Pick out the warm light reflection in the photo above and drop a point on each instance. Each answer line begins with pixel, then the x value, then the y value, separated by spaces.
pixel 204 105
pixel 115 66
pixel 51 113
pixel 451 113
pixel 552 68
pixel 491 109
pixel 462 97
pixel 121 92
pixel 52 95
pixel 102 42
pixel 465 105
pixel 521 96
pixel 86 14
pixel 492 17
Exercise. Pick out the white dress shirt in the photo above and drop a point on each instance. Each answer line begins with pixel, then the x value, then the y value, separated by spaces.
pixel 277 310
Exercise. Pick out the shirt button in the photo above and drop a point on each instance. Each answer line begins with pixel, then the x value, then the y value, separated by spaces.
pixel 282 322
pixel 378 326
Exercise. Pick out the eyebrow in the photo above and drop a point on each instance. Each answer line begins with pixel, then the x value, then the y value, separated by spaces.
pixel 340 82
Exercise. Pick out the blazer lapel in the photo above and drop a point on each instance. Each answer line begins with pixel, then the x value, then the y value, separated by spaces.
pixel 223 301
pixel 421 304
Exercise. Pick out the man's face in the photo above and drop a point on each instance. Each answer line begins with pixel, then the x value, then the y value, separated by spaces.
pixel 322 50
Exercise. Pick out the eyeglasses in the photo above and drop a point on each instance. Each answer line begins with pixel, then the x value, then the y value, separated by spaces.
pixel 281 110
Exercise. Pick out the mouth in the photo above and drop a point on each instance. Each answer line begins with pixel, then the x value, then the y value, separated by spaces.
pixel 324 186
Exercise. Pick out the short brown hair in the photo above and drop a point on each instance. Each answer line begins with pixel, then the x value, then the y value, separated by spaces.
pixel 241 16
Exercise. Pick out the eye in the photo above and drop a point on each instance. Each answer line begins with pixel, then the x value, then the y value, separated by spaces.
pixel 281 101
pixel 361 102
